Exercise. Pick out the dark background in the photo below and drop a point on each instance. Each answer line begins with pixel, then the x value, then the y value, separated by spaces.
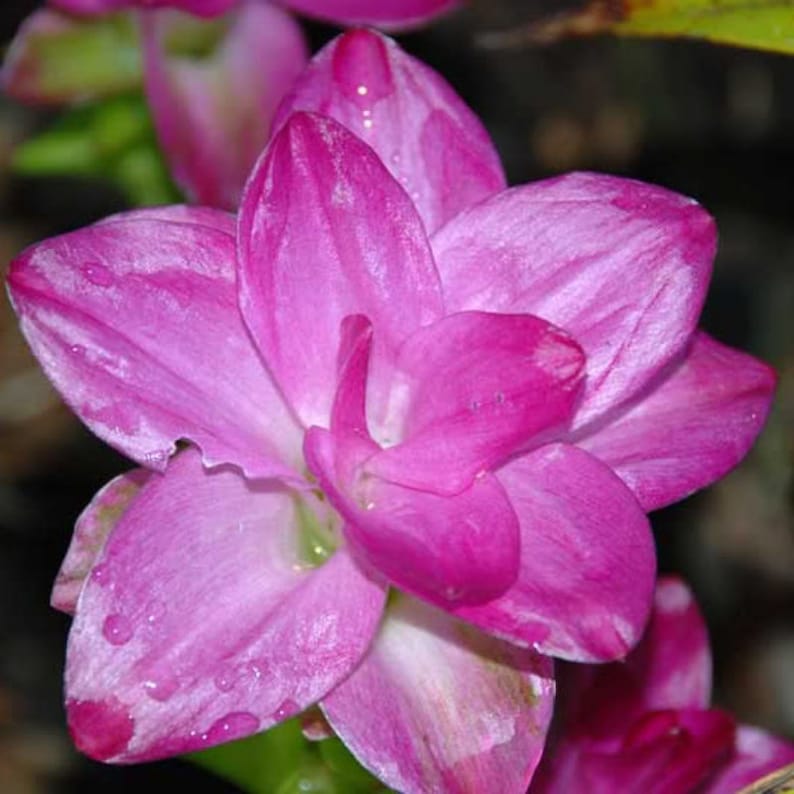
pixel 712 122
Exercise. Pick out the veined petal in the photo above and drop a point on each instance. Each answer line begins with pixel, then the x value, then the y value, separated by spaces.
pixel 756 754
pixel 669 669
pixel 437 707
pixel 325 232
pixel 449 550
pixel 690 428
pixel 210 134
pixel 180 213
pixel 585 584
pixel 477 386
pixel 201 624
pixel 90 533
pixel 393 14
pixel 673 661
pixel 622 266
pixel 668 752
pixel 136 323
pixel 427 137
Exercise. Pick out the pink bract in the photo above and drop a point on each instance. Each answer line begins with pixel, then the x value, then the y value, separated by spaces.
pixel 643 725
pixel 372 393
pixel 387 13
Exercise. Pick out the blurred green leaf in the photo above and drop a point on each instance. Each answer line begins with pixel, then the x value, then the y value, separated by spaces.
pixel 283 761
pixel 113 139
pixel 759 24
pixel 58 58
pixel 261 763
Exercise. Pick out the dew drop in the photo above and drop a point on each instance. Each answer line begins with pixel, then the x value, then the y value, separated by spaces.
pixel 224 683
pixel 99 574
pixel 117 630
pixel 78 351
pixel 162 687
pixel 98 275
pixel 361 68
pixel 233 726
pixel 154 612
pixel 286 710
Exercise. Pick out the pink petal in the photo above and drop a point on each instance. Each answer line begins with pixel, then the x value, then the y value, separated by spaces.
pixel 201 623
pixel 667 753
pixel 448 550
pixel 203 8
pixel 478 386
pixel 585 584
pixel 690 428
pixel 622 266
pixel 90 532
pixel 757 754
pixel 394 14
pixel 136 323
pixel 423 132
pixel 90 6
pixel 438 707
pixel 326 232
pixel 212 135
pixel 181 213
pixel 673 660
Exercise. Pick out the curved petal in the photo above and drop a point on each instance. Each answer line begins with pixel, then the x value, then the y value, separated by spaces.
pixel 438 707
pixel 210 134
pixel 90 6
pixel 136 323
pixel 673 661
pixel 689 428
pixel 585 584
pixel 90 533
pixel 180 213
pixel 392 14
pixel 203 8
pixel 667 752
pixel 757 754
pixel 325 232
pixel 622 266
pixel 200 623
pixel 449 550
pixel 477 386
pixel 427 137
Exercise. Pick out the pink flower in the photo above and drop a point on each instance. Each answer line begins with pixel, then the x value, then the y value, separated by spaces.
pixel 644 725
pixel 383 13
pixel 390 373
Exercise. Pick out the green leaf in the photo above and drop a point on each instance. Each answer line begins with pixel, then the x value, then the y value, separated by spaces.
pixel 58 58
pixel 262 763
pixel 113 139
pixel 758 24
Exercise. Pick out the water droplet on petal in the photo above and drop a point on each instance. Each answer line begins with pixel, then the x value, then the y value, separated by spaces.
pixel 99 574
pixel 286 710
pixel 161 685
pixel 360 67
pixel 117 629
pixel 232 726
pixel 98 275
pixel 154 611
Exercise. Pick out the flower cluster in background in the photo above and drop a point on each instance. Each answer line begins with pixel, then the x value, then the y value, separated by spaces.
pixel 398 426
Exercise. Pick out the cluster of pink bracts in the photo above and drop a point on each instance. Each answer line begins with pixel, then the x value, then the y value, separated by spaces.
pixel 391 375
